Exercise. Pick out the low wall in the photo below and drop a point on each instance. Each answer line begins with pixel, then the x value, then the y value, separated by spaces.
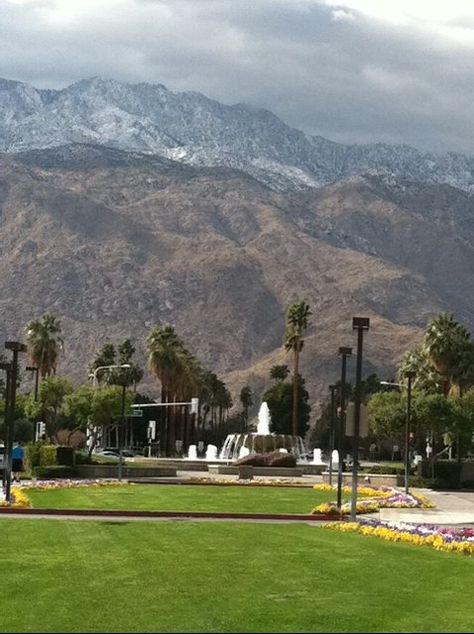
pixel 110 471
pixel 377 479
pixel 249 471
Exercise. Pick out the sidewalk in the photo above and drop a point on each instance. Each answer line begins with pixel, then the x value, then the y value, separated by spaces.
pixel 453 508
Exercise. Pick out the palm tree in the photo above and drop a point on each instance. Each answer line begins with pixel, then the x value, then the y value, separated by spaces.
pixel 246 401
pixel 297 323
pixel 427 378
pixel 44 343
pixel 446 342
pixel 279 372
pixel 165 360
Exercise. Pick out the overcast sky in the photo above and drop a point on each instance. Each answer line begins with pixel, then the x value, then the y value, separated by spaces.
pixel 399 71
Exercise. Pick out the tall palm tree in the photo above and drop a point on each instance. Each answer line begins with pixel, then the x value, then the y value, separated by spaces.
pixel 297 323
pixel 246 402
pixel 279 372
pixel 44 343
pixel 427 378
pixel 446 342
pixel 164 359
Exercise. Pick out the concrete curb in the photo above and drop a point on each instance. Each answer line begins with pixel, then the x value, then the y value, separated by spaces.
pixel 169 514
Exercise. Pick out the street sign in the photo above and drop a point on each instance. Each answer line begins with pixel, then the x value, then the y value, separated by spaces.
pixel 136 413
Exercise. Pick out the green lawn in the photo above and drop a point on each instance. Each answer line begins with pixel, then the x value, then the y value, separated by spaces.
pixel 81 576
pixel 233 499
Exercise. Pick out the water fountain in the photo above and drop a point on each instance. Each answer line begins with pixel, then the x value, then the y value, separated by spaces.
pixel 238 445
pixel 317 457
pixel 211 452
pixel 192 452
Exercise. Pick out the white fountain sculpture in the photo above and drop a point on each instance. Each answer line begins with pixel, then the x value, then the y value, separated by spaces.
pixel 317 456
pixel 335 457
pixel 192 452
pixel 264 420
pixel 211 452
pixel 263 441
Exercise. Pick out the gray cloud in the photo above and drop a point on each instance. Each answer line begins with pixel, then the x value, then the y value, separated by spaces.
pixel 332 71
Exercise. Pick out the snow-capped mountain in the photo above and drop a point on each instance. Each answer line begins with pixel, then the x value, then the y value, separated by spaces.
pixel 190 128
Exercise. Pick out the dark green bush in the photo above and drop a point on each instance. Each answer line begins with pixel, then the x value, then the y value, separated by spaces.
pixel 47 455
pixel 32 456
pixel 65 456
pixel 54 471
pixel 387 470
pixel 447 474
pixel 82 457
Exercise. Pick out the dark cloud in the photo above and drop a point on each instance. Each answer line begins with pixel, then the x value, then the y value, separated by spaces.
pixel 333 71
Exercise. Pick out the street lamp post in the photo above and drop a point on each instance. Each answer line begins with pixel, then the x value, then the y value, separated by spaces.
pixel 120 434
pixel 344 352
pixel 332 389
pixel 106 367
pixel 7 368
pixel 360 324
pixel 30 368
pixel 16 347
pixel 410 374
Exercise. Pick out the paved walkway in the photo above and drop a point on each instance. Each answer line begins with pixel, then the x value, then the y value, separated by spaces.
pixel 453 508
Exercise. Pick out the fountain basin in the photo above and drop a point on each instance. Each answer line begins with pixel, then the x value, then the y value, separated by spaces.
pixel 238 445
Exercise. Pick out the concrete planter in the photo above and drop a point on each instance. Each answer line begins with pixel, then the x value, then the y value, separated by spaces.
pixel 110 471
pixel 284 472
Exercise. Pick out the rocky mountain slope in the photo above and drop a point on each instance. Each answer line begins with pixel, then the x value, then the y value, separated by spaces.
pixel 190 128
pixel 115 243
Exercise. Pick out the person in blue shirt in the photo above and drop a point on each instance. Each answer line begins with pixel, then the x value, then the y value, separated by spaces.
pixel 18 456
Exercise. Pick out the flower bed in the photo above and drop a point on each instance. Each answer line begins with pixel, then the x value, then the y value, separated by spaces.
pixel 459 540
pixel 68 484
pixel 378 497
pixel 19 500
pixel 256 481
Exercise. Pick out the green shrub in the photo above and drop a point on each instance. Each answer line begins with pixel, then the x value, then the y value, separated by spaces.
pixel 54 471
pixel 65 456
pixel 47 455
pixel 447 474
pixel 388 470
pixel 32 456
pixel 82 457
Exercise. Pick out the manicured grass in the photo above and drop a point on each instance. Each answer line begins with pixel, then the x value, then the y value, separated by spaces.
pixel 66 576
pixel 230 499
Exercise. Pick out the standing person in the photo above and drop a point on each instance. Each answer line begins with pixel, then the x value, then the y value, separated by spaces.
pixel 18 456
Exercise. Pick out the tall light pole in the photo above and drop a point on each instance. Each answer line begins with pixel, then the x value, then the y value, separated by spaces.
pixel 120 434
pixel 344 352
pixel 332 389
pixel 30 368
pixel 360 324
pixel 16 347
pixel 7 367
pixel 410 374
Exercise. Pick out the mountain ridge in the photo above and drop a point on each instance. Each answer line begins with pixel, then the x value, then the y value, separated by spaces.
pixel 191 128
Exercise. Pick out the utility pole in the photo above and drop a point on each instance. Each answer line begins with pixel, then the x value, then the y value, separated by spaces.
pixel 332 389
pixel 360 324
pixel 15 347
pixel 344 352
